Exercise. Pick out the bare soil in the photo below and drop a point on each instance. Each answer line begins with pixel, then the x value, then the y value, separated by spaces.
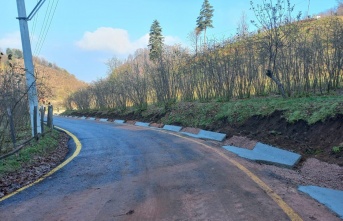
pixel 156 125
pixel 311 141
pixel 310 172
pixel 240 141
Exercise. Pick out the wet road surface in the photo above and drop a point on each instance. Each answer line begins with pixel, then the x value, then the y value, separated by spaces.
pixel 125 172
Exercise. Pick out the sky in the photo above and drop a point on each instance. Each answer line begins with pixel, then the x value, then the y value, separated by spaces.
pixel 80 36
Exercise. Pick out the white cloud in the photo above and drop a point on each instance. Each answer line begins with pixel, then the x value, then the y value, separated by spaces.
pixel 116 41
pixel 11 40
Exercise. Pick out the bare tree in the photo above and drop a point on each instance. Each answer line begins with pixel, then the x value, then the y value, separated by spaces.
pixel 272 19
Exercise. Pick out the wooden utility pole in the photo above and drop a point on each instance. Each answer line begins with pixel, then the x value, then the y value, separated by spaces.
pixel 29 69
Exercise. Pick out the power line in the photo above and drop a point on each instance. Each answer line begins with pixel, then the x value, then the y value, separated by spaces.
pixel 48 27
pixel 42 28
pixel 33 27
pixel 49 14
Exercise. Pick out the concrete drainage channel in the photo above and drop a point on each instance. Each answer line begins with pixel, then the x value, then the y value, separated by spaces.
pixel 261 153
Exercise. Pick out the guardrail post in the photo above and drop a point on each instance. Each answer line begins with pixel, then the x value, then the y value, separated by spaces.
pixel 35 125
pixel 50 114
pixel 42 112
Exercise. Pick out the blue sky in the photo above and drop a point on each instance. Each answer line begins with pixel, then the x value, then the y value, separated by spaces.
pixel 83 35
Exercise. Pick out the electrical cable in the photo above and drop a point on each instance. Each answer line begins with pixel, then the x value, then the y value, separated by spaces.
pixel 43 27
pixel 33 27
pixel 48 27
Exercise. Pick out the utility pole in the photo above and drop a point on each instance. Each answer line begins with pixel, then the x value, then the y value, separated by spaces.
pixel 29 69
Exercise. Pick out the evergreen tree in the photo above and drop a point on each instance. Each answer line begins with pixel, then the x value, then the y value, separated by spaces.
pixel 17 53
pixel 9 51
pixel 204 20
pixel 155 41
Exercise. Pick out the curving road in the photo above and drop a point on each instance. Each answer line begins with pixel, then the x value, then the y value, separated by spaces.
pixel 125 172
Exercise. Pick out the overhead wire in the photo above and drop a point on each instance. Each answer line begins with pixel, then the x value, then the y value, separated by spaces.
pixel 42 28
pixel 33 27
pixel 48 26
pixel 48 17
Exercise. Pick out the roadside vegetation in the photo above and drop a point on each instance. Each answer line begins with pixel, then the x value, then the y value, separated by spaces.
pixel 31 153
pixel 288 55
pixel 13 101
pixel 32 162
pixel 203 114
pixel 310 126
pixel 310 109
pixel 54 84
pixel 280 84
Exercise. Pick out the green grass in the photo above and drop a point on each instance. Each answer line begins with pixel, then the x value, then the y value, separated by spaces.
pixel 337 149
pixel 192 114
pixel 195 114
pixel 29 153
pixel 309 109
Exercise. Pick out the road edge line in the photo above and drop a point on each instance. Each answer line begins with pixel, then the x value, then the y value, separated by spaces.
pixel 60 166
pixel 270 192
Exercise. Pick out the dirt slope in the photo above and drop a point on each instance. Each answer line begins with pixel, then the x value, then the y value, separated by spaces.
pixel 315 140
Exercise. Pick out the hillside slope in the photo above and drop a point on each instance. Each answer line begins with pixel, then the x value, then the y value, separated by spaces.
pixel 57 83
pixel 54 84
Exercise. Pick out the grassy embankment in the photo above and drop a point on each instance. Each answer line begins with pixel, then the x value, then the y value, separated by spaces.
pixel 196 114
pixel 30 153
pixel 213 115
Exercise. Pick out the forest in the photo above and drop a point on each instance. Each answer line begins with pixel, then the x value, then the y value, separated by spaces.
pixel 287 55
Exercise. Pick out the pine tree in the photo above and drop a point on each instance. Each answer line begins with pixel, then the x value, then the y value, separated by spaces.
pixel 155 41
pixel 204 20
pixel 9 51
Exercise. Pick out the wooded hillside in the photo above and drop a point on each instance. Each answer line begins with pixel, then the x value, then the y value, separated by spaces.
pixel 57 83
pixel 288 56
pixel 53 85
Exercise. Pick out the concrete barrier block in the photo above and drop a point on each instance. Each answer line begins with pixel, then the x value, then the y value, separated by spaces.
pixel 119 121
pixel 242 152
pixel 172 128
pixel 267 154
pixel 333 199
pixel 211 135
pixel 275 155
pixel 142 124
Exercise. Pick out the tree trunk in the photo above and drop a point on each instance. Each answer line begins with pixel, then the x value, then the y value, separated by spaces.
pixel 279 84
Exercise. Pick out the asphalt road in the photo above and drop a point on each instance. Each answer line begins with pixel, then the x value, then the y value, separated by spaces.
pixel 125 172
